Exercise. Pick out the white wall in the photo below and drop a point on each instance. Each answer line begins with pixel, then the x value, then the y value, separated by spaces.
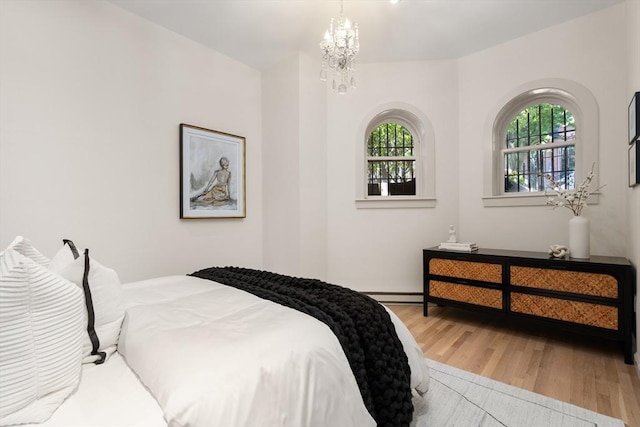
pixel 590 51
pixel 313 171
pixel 294 158
pixel 381 249
pixel 92 97
pixel 633 49
pixel 280 157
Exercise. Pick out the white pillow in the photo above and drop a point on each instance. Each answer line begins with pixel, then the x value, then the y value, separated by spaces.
pixel 103 298
pixel 24 247
pixel 42 324
pixel 65 256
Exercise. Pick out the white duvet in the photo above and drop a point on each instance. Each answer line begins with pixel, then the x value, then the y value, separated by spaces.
pixel 213 355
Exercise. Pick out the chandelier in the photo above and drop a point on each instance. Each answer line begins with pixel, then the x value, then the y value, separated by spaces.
pixel 339 48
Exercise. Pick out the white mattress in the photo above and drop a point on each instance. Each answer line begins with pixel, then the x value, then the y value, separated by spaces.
pixel 109 395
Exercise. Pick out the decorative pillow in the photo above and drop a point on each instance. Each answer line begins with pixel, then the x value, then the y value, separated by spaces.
pixel 24 247
pixel 65 256
pixel 103 300
pixel 40 341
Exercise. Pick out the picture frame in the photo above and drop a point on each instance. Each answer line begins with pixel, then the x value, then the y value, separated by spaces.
pixel 212 173
pixel 634 160
pixel 634 118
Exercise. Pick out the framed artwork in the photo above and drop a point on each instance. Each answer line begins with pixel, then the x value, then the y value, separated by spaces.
pixel 634 118
pixel 212 174
pixel 634 159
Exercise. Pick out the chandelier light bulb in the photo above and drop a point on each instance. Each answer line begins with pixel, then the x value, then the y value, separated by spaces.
pixel 323 74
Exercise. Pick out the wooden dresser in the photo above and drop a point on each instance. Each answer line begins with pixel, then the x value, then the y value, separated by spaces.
pixel 593 297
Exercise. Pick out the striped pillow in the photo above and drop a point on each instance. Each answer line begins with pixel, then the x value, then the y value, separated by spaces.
pixel 24 247
pixel 42 318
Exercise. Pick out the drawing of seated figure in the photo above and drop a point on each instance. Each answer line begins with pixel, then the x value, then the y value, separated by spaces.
pixel 217 189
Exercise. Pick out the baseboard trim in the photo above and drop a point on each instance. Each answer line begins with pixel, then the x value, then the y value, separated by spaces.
pixel 637 360
pixel 397 297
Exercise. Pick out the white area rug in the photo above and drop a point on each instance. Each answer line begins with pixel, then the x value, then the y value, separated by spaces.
pixel 458 398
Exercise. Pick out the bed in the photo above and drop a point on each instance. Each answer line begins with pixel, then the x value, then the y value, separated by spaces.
pixel 195 351
pixel 108 395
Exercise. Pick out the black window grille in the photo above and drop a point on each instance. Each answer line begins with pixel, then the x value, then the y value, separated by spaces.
pixel 540 140
pixel 391 161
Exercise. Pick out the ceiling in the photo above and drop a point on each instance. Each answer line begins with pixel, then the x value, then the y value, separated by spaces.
pixel 260 33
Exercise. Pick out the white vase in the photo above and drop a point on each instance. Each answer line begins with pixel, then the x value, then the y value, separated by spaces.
pixel 579 237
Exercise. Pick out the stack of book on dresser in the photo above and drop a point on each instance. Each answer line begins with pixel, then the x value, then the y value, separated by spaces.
pixel 459 246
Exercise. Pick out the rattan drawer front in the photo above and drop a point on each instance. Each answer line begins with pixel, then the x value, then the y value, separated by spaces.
pixel 466 269
pixel 602 285
pixel 571 311
pixel 464 293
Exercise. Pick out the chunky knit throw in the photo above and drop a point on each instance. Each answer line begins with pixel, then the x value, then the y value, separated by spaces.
pixel 360 323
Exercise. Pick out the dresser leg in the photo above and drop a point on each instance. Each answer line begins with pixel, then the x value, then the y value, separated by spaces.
pixel 628 351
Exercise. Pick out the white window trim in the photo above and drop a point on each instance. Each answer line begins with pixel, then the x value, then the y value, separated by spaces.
pixel 424 144
pixel 571 95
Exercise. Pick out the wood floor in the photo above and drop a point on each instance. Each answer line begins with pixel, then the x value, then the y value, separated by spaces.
pixel 584 371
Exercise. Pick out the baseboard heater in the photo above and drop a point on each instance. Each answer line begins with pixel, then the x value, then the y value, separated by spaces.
pixel 397 297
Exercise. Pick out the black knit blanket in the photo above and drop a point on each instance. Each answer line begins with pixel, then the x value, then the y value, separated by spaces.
pixel 360 323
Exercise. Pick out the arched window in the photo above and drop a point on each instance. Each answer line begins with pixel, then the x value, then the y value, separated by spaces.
pixel 391 161
pixel 540 140
pixel 396 159
pixel 545 127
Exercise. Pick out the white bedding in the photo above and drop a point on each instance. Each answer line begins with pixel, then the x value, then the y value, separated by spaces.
pixel 213 355
pixel 109 395
pixel 217 356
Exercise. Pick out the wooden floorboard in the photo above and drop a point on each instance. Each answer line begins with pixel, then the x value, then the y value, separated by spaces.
pixel 583 371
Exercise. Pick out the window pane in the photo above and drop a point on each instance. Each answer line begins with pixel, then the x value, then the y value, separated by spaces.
pixel 372 145
pixel 560 164
pixel 512 179
pixel 391 178
pixel 542 123
pixel 390 139
pixel 525 171
pixel 377 175
pixel 521 172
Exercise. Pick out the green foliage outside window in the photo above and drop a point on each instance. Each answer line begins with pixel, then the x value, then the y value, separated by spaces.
pixel 538 128
pixel 542 123
pixel 390 139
